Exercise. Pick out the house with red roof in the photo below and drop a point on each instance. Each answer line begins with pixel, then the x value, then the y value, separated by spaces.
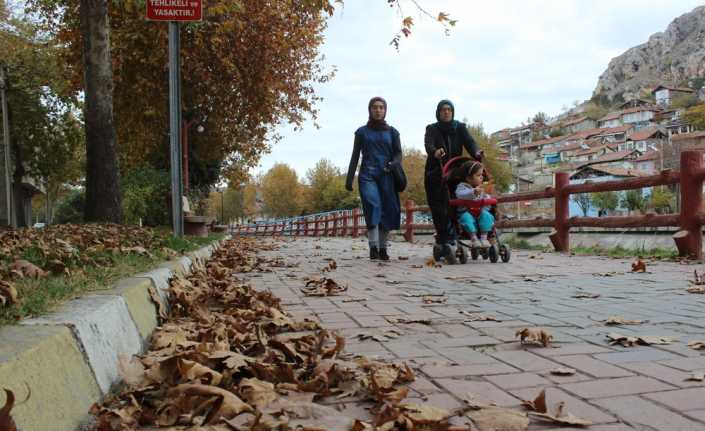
pixel 665 94
pixel 645 139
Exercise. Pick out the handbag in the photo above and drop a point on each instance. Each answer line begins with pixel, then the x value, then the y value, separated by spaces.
pixel 399 176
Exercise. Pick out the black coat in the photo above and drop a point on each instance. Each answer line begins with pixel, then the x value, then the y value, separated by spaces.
pixel 453 143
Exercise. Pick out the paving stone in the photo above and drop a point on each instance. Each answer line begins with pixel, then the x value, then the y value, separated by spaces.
pixel 646 415
pixel 636 355
pixel 462 342
pixel 681 400
pixel 615 387
pixel 456 330
pixel 573 404
pixel 686 364
pixel 697 414
pixel 573 349
pixel 403 349
pixel 466 356
pixel 663 373
pixel 518 380
pixel 588 365
pixel 443 401
pixel 525 361
pixel 480 391
pixel 436 371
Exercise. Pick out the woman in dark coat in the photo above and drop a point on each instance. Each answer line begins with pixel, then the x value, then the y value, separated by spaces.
pixel 380 145
pixel 444 140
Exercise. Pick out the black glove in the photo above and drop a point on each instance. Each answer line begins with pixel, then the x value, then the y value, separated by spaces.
pixel 348 187
pixel 479 155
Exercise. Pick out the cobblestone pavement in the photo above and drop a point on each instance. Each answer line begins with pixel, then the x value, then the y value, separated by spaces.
pixel 618 388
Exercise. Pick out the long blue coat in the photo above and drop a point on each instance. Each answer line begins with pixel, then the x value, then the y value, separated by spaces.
pixel 380 200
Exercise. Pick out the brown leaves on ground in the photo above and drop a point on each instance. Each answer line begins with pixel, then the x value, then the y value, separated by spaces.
pixel 560 417
pixel 433 299
pixel 638 266
pixel 619 320
pixel 563 371
pixel 585 295
pixel 696 377
pixel 229 358
pixel 6 421
pixel 8 293
pixel 479 317
pixel 322 286
pixel 535 336
pixel 696 289
pixel 699 279
pixel 644 340
pixel 493 418
pixel 697 345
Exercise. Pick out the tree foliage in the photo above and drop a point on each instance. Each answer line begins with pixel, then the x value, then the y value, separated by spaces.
pixel 584 201
pixel 226 205
pixel 605 201
pixel 695 116
pixel 633 200
pixel 595 111
pixel 45 130
pixel 661 200
pixel 325 189
pixel 500 170
pixel 281 192
pixel 414 163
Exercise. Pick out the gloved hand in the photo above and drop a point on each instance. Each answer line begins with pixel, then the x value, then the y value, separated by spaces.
pixel 348 187
pixel 479 155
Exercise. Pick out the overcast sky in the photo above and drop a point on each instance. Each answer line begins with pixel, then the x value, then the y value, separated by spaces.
pixel 503 62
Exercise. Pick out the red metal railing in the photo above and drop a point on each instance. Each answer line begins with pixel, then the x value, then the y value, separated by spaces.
pixel 690 220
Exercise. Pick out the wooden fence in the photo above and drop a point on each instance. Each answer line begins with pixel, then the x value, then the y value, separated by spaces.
pixel 689 220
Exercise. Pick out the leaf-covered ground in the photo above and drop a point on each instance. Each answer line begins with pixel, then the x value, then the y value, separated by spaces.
pixel 228 358
pixel 41 267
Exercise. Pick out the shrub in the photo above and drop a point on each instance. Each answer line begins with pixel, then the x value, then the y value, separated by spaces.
pixel 146 193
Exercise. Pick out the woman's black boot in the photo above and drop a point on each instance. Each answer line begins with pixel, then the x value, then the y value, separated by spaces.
pixel 383 254
pixel 374 253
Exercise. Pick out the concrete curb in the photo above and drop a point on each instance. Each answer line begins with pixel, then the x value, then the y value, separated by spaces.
pixel 68 359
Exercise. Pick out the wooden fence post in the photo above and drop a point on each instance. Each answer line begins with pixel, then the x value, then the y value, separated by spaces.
pixel 560 237
pixel 335 224
pixel 689 240
pixel 356 222
pixel 409 230
pixel 316 229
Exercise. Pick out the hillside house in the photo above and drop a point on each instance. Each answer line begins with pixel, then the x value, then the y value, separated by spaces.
pixel 633 103
pixel 640 116
pixel 505 143
pixel 521 135
pixel 590 153
pixel 613 119
pixel 620 159
pixel 650 162
pixel 530 153
pixel 644 139
pixel 579 124
pixel 666 94
pixel 599 173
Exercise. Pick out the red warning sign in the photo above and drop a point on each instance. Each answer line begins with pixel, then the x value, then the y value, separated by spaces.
pixel 174 10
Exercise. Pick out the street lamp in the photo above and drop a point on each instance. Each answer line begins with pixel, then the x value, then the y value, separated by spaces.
pixel 6 143
pixel 185 126
pixel 222 206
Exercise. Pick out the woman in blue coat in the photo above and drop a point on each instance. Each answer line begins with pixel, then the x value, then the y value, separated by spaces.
pixel 380 145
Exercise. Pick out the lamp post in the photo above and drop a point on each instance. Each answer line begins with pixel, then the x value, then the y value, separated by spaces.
pixel 6 147
pixel 222 206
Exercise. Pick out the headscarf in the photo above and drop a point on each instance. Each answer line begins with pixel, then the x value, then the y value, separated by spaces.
pixel 446 126
pixel 377 124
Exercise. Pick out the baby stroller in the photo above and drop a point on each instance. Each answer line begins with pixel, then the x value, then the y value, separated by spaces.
pixel 497 250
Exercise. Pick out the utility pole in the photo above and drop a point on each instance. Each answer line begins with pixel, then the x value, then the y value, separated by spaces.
pixel 6 146
pixel 177 187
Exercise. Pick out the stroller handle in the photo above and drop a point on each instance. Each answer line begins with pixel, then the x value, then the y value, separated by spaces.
pixel 479 203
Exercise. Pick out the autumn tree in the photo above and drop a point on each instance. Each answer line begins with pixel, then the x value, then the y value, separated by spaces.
pixel 633 200
pixel 595 111
pixel 695 116
pixel 45 132
pixel 584 201
pixel 325 189
pixel 281 191
pixel 226 205
pixel 414 163
pixel 605 201
pixel 500 170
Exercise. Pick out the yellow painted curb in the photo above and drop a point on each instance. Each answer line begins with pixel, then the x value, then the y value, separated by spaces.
pixel 48 361
pixel 135 292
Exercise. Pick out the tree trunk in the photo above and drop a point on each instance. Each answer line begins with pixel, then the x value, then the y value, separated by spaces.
pixel 103 197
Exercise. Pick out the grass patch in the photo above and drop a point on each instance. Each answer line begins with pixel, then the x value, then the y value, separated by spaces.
pixel 622 252
pixel 39 296
pixel 522 244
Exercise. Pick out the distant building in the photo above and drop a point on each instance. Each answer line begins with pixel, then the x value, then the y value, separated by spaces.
pixel 613 119
pixel 644 139
pixel 640 116
pixel 579 124
pixel 665 94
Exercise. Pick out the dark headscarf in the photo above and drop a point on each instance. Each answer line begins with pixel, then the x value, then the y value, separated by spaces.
pixel 377 124
pixel 446 126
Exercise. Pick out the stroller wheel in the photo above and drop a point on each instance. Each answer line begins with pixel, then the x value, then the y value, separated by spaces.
pixel 474 253
pixel 437 252
pixel 505 253
pixel 484 253
pixel 493 254
pixel 449 254
pixel 462 254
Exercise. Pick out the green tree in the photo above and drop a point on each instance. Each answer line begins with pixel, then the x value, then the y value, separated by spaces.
pixel 540 117
pixel 633 200
pixel 281 191
pixel 605 201
pixel 684 101
pixel 500 170
pixel 226 205
pixel 661 200
pixel 695 116
pixel 414 163
pixel 319 181
pixel 584 201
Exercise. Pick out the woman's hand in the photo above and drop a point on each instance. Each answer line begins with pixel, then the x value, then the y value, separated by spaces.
pixel 480 155
pixel 439 153
pixel 478 191
pixel 348 187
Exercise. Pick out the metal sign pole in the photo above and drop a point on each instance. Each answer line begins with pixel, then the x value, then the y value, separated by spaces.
pixel 7 157
pixel 175 129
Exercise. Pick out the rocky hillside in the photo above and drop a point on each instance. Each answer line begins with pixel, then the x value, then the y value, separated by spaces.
pixel 674 56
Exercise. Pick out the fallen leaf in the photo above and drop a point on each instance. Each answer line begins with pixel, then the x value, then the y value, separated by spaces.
pixel 8 293
pixel 534 335
pixel 431 263
pixel 538 404
pixel 258 393
pixel 696 377
pixel 131 370
pixel 628 341
pixel 562 418
pixel 406 321
pixel 25 268
pixel 6 421
pixel 322 286
pixel 618 320
pixel 584 295
pixel 355 300
pixel 433 300
pixel 423 295
pixel 227 404
pixel 638 266
pixel 698 289
pixel 403 258
pixel 424 414
pixel 479 317
pixel 499 419
pixel 563 371
pixel 697 345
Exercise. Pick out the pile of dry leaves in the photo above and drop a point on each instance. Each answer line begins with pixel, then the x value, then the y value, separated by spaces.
pixel 228 358
pixel 60 249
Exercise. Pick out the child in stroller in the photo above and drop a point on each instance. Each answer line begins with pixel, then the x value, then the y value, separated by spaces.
pixel 472 211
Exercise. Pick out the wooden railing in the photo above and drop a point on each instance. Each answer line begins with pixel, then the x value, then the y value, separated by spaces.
pixel 690 220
